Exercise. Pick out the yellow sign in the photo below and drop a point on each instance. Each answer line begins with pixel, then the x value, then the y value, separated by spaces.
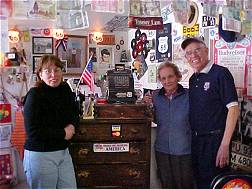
pixel 191 31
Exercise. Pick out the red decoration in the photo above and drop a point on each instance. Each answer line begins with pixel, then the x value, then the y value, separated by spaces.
pixel 61 41
pixel 237 183
pixel 47 32
pixel 5 113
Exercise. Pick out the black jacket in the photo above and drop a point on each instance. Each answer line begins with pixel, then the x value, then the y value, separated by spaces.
pixel 47 111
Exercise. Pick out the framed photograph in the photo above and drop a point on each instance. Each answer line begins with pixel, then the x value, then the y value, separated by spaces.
pixel 5 135
pixel 105 55
pixel 35 62
pixel 64 63
pixel 92 51
pixel 75 54
pixel 42 45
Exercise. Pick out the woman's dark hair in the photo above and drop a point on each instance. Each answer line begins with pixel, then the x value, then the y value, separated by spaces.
pixel 46 61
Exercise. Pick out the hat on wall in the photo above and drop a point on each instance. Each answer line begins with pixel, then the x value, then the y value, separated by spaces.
pixel 187 16
pixel 228 36
pixel 193 14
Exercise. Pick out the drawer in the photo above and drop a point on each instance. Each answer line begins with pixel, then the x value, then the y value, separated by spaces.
pixel 117 111
pixel 112 175
pixel 103 132
pixel 83 153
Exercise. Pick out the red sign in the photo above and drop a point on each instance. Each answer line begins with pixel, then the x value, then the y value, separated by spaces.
pixel 5 113
pixel 107 40
pixel 146 23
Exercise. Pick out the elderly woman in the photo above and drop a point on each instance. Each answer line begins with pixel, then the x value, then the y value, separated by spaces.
pixel 173 140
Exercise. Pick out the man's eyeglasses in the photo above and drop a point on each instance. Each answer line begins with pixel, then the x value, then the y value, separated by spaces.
pixel 195 51
pixel 49 71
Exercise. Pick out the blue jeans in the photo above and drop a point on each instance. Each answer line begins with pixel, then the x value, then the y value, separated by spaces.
pixel 49 170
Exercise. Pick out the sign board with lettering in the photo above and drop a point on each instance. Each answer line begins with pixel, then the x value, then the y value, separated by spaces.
pixel 241 156
pixel 208 21
pixel 146 23
pixel 191 31
pixel 112 147
pixel 164 43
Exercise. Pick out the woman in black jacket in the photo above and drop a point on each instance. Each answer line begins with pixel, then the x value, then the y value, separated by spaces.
pixel 50 116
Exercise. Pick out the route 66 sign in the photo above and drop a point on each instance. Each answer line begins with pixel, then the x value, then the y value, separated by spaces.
pixel 163 44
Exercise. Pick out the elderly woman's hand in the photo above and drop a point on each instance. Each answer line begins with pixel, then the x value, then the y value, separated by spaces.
pixel 147 99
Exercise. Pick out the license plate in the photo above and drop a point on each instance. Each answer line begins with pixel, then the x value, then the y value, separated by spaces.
pixel 242 149
pixel 114 147
pixel 241 160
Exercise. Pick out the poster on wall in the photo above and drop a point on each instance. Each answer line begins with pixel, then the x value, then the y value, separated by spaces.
pixel 42 9
pixel 112 6
pixel 233 56
pixel 6 7
pixel 164 43
pixel 21 8
pixel 249 80
pixel 181 62
pixel 4 47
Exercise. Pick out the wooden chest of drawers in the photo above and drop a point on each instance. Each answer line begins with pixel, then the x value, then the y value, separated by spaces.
pixel 103 160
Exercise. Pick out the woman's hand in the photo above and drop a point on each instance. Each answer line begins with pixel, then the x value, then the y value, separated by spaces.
pixel 147 99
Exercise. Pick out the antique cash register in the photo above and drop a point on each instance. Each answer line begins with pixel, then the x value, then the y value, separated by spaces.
pixel 121 85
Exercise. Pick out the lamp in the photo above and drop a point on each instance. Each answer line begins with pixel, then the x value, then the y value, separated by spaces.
pixel 97 37
pixel 58 33
pixel 13 36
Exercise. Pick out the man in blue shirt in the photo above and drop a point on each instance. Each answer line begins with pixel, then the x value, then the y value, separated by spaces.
pixel 213 112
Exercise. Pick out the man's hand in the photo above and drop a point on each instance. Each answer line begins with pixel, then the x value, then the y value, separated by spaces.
pixel 70 131
pixel 222 158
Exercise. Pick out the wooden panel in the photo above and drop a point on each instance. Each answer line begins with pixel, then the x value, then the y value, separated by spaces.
pixel 82 153
pixel 112 175
pixel 102 131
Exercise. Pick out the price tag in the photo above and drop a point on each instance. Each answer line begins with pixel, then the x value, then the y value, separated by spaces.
pixel 191 32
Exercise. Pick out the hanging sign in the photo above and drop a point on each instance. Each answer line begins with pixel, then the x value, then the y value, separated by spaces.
pixel 191 31
pixel 146 23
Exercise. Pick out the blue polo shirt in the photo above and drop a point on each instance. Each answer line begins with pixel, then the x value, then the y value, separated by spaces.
pixel 210 95
pixel 172 118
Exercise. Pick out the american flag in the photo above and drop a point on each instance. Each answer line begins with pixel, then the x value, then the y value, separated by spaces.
pixel 87 75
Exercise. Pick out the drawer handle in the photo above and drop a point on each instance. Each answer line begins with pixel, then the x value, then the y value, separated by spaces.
pixel 83 131
pixel 134 151
pixel 134 173
pixel 134 130
pixel 83 174
pixel 83 151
